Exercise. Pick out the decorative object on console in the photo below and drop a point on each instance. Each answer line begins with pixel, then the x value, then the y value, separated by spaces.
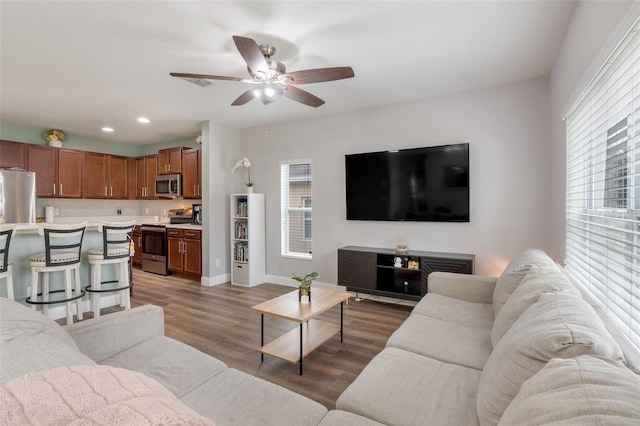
pixel 54 137
pixel 413 264
pixel 397 262
pixel 305 284
pixel 401 247
pixel 244 162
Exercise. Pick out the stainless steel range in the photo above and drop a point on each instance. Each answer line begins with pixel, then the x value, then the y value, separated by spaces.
pixel 154 249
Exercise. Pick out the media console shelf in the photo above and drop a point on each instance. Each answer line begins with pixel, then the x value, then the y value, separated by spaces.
pixel 376 270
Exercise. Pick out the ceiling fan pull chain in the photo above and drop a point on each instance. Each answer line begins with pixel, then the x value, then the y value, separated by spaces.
pixel 266 121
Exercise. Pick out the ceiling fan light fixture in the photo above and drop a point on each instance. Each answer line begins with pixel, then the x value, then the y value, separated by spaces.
pixel 267 94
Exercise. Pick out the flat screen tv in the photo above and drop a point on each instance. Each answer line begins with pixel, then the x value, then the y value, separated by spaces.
pixel 429 184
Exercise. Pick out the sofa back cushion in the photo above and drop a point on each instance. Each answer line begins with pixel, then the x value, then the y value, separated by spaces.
pixel 29 342
pixel 515 272
pixel 539 280
pixel 558 325
pixel 581 390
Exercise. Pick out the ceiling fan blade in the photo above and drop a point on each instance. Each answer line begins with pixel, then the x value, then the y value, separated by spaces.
pixel 319 75
pixel 244 98
pixel 252 55
pixel 204 76
pixel 302 96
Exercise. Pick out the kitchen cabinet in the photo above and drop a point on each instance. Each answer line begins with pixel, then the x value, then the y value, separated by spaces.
pixel 185 250
pixel 192 173
pixel 59 171
pixel 105 176
pixel 136 236
pixel 146 177
pixel 169 161
pixel 13 154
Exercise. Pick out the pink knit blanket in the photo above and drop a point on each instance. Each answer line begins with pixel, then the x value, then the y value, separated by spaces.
pixel 92 395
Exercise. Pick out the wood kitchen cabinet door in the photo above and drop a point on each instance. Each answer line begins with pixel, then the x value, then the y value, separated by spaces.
pixel 193 256
pixel 42 160
pixel 13 154
pixel 96 175
pixel 192 176
pixel 118 177
pixel 70 173
pixel 174 250
pixel 146 177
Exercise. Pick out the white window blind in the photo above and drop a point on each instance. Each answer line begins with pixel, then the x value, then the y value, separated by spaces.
pixel 603 186
pixel 296 213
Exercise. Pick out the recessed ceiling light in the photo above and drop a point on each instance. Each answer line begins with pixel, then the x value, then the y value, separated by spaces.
pixel 107 129
pixel 143 120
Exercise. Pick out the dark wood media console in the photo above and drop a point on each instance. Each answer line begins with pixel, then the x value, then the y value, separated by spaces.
pixel 372 270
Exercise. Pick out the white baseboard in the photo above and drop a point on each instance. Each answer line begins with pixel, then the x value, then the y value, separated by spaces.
pixel 217 280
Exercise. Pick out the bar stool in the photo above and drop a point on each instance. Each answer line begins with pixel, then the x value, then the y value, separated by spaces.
pixel 63 246
pixel 6 232
pixel 115 250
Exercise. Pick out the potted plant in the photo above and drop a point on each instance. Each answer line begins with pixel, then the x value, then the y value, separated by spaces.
pixel 304 289
pixel 244 162
pixel 54 137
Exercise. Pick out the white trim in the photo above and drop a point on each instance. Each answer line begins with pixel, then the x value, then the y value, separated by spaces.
pixel 216 280
pixel 300 160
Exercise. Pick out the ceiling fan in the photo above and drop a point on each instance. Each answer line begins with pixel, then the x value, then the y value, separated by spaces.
pixel 271 77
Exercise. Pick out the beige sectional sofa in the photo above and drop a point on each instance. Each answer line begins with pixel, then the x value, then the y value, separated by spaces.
pixel 520 349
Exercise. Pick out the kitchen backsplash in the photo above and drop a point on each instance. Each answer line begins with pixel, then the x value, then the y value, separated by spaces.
pixel 104 208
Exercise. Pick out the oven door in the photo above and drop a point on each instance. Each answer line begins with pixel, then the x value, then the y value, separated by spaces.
pixel 154 249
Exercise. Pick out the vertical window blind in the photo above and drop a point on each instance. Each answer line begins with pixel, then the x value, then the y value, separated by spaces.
pixel 296 210
pixel 603 186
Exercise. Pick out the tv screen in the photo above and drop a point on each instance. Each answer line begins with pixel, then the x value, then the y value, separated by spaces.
pixel 428 184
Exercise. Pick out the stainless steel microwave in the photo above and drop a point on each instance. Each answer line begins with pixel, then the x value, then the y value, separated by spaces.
pixel 169 185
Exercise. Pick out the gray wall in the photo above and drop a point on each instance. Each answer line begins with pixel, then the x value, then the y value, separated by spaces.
pixel 507 128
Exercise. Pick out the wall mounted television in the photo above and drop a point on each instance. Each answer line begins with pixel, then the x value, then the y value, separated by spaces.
pixel 429 184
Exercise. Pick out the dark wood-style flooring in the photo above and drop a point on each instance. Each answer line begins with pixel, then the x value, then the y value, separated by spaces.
pixel 218 321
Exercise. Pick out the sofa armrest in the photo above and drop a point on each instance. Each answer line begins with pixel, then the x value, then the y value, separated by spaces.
pixel 103 337
pixel 471 288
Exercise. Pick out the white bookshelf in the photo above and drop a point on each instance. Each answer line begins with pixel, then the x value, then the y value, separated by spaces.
pixel 247 239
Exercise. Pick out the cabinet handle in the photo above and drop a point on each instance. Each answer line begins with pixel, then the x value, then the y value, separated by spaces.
pixel 198 189
pixel 195 191
pixel 140 242
pixel 54 189
pixel 111 188
pixel 105 191
pixel 60 189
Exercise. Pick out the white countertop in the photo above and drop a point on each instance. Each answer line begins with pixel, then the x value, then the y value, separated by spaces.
pixel 93 222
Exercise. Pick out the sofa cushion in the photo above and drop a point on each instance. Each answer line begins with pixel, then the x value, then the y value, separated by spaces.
pixel 178 367
pixel 444 341
pixel 558 325
pixel 344 418
pixel 536 282
pixel 515 272
pixel 403 388
pixel 30 342
pixel 582 390
pixel 95 395
pixel 456 311
pixel 236 398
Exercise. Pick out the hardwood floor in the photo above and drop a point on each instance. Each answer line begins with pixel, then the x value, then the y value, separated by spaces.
pixel 218 321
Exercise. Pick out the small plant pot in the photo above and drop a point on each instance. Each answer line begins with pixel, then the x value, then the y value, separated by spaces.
pixel 304 290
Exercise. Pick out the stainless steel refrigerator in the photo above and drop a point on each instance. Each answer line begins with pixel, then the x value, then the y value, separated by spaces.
pixel 17 196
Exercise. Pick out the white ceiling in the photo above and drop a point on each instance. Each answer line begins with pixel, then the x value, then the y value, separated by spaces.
pixel 82 65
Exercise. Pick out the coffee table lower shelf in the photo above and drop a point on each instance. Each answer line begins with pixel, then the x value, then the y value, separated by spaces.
pixel 314 333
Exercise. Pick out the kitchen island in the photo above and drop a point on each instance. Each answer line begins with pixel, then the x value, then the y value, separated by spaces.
pixel 26 241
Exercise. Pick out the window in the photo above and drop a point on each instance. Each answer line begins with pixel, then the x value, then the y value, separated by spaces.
pixel 296 214
pixel 603 187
